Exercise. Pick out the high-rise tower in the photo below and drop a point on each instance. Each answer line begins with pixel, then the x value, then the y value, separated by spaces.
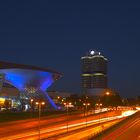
pixel 94 72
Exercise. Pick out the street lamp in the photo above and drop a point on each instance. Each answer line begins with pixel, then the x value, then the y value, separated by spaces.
pixel 86 112
pixel 32 104
pixel 107 93
pixel 99 105
pixel 39 111
pixel 67 107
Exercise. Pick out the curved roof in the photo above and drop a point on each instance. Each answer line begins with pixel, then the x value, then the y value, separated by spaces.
pixel 8 65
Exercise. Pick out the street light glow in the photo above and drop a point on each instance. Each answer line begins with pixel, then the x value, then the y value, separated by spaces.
pixel 43 103
pixel 107 93
pixel 68 103
pixel 86 104
pixel 92 52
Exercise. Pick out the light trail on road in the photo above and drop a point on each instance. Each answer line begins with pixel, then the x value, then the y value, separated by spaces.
pixel 52 130
pixel 92 131
pixel 130 130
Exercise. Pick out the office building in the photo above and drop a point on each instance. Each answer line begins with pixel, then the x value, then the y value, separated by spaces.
pixel 94 73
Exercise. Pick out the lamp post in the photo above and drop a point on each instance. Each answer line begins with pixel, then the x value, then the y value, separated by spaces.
pixel 107 94
pixel 39 113
pixel 32 104
pixel 99 105
pixel 67 107
pixel 86 111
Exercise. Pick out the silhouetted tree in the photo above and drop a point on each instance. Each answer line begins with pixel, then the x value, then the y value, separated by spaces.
pixel 112 100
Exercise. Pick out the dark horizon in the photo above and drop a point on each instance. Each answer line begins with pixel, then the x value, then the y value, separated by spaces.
pixel 56 35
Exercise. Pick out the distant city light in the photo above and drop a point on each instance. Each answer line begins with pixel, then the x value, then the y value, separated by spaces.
pixel 2 100
pixel 92 52
pixel 43 103
pixel 107 93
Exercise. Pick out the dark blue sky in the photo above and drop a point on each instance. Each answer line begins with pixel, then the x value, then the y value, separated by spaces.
pixel 55 34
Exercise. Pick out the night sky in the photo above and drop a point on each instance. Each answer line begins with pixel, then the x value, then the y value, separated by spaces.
pixel 55 34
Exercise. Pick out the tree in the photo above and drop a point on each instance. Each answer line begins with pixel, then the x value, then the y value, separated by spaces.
pixel 112 100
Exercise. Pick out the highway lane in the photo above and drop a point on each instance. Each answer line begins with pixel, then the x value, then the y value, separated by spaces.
pixel 128 131
pixel 45 121
pixel 16 127
pixel 87 133
pixel 54 129
pixel 49 126
pixel 58 129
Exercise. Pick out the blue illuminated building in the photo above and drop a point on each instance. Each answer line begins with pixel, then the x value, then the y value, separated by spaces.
pixel 31 81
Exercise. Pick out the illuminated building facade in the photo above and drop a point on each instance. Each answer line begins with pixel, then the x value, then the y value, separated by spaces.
pixel 94 72
pixel 32 82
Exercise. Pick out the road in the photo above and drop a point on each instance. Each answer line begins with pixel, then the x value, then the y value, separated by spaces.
pixel 89 132
pixel 83 134
pixel 130 130
pixel 17 127
pixel 49 126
